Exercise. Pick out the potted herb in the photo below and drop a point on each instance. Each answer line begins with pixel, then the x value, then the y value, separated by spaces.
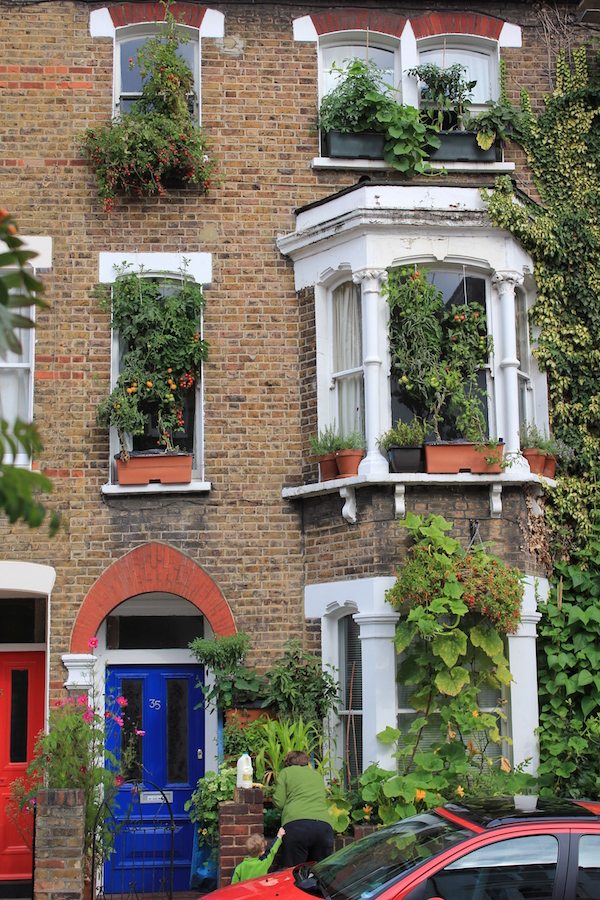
pixel 437 352
pixel 158 323
pixel 543 452
pixel 446 100
pixel 403 446
pixel 324 445
pixel 156 143
pixel 360 119
pixel 349 454
pixel 496 124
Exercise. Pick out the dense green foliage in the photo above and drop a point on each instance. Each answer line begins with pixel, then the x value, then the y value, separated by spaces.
pixel 20 488
pixel 361 101
pixel 562 236
pixel 158 322
pixel 439 350
pixel 139 151
pixel 298 688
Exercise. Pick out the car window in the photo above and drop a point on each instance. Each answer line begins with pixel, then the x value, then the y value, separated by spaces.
pixel 362 869
pixel 521 868
pixel 588 872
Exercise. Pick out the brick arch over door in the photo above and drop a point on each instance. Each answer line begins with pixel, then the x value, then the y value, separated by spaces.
pixel 457 23
pixel 133 13
pixel 152 567
pixel 358 20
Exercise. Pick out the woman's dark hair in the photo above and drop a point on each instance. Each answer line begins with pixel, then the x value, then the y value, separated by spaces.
pixel 295 758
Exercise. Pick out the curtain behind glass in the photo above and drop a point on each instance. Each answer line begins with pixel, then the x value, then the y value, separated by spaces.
pixel 476 64
pixel 341 54
pixel 347 357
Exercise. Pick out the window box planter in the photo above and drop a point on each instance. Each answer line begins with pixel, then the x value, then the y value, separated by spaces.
pixel 155 466
pixel 353 144
pixel 406 459
pixel 452 457
pixel 461 146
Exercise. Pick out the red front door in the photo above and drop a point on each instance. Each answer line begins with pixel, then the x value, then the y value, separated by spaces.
pixel 21 719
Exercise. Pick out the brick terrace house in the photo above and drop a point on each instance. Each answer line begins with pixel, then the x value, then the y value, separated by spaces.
pixel 289 241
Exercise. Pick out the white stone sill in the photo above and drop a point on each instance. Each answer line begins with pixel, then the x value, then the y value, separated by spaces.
pixel 123 490
pixel 325 162
pixel 346 487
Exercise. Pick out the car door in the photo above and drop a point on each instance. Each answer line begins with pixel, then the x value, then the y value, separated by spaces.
pixel 529 866
pixel 583 880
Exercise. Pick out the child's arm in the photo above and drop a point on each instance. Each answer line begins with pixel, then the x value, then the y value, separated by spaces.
pixel 270 855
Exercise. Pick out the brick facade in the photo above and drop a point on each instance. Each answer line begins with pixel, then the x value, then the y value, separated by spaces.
pixel 59 833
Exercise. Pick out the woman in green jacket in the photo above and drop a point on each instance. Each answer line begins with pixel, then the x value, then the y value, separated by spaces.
pixel 301 796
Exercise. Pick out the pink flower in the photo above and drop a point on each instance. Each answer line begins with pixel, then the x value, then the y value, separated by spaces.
pixel 122 701
pixel 88 716
pixel 93 643
pixel 140 733
pixel 119 780
pixel 82 699
pixel 108 714
pixel 118 720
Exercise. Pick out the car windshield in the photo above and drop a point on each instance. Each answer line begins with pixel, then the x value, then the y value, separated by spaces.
pixel 360 870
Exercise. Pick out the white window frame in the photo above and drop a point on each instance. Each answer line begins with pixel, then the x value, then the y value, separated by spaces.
pixel 158 265
pixel 335 376
pixel 344 712
pixel 149 30
pixel 349 39
pixel 43 262
pixel 468 43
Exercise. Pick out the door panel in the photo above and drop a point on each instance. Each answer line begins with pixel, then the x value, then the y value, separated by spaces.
pixel 168 739
pixel 22 677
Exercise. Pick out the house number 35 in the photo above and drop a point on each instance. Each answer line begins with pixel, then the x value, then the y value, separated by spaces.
pixel 154 704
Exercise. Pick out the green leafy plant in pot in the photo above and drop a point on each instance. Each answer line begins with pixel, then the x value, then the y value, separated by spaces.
pixel 403 446
pixel 349 454
pixel 324 445
pixel 361 104
pixel 437 352
pixel 158 322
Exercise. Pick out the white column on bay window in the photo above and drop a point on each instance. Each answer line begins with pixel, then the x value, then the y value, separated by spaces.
pixel 371 281
pixel 524 714
pixel 506 283
pixel 378 652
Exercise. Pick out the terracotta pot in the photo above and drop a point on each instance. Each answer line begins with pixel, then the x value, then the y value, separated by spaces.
pixel 536 459
pixel 146 466
pixel 452 457
pixel 244 715
pixel 550 466
pixel 406 459
pixel 87 890
pixel 348 462
pixel 328 467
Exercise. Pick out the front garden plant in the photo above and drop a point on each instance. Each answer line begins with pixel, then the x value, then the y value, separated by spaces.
pixel 155 144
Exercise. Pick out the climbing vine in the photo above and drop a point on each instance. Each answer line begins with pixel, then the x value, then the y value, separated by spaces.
pixel 563 237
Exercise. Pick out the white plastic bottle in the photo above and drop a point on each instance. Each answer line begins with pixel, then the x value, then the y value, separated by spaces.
pixel 244 771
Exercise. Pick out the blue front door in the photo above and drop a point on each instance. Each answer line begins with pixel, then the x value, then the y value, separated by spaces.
pixel 168 736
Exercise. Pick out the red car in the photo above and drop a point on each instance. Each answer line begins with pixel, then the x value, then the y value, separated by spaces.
pixel 520 848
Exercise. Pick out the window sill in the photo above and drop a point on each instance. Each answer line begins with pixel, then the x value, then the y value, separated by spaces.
pixel 123 490
pixel 346 487
pixel 324 162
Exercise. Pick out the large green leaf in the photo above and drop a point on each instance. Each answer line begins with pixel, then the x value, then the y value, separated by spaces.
pixel 487 638
pixel 451 683
pixel 405 632
pixel 450 646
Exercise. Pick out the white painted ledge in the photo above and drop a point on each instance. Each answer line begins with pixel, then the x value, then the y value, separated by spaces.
pixel 123 490
pixel 325 162
pixel 347 487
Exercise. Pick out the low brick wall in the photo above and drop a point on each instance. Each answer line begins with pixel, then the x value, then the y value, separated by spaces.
pixel 238 819
pixel 59 834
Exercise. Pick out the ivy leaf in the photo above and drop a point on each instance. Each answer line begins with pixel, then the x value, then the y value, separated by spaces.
pixel 576 614
pixel 450 646
pixel 452 682
pixel 587 705
pixel 488 639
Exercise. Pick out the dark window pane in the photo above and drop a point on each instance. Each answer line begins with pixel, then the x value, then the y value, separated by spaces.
pixel 22 620
pixel 588 876
pixel 132 744
pixel 19 715
pixel 177 730
pixel 152 632
pixel 183 439
pixel 351 715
